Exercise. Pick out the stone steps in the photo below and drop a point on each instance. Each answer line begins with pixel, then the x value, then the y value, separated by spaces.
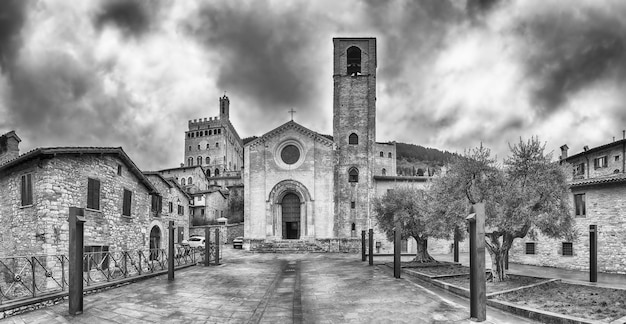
pixel 294 246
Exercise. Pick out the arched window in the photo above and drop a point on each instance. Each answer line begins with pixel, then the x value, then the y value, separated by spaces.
pixel 353 226
pixel 353 139
pixel 210 132
pixel 217 172
pixel 382 154
pixel 207 146
pixel 189 147
pixel 190 161
pixel 217 144
pixel 353 175
pixel 206 133
pixel 199 160
pixel 354 60
pixel 182 181
pixel 390 155
pixel 384 171
pixel 208 160
pixel 189 180
pixel 208 173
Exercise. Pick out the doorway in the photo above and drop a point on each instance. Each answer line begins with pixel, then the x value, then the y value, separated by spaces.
pixel 291 216
pixel 155 242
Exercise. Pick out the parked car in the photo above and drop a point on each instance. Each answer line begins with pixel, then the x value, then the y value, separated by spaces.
pixel 196 241
pixel 238 242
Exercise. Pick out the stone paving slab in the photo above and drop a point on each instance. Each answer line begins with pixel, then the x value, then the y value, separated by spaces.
pixel 270 288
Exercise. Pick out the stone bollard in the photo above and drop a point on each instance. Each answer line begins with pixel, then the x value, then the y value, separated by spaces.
pixel 478 289
pixel 170 253
pixel 76 225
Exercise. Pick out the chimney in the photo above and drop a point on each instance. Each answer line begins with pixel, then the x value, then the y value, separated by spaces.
pixel 623 134
pixel 9 147
pixel 564 149
pixel 586 148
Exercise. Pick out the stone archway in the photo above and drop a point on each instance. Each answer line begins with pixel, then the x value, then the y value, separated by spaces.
pixel 290 211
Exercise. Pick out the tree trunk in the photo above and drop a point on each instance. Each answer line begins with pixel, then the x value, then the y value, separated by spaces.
pixel 421 254
pixel 498 271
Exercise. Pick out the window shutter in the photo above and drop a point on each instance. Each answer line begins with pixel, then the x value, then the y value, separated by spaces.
pixel 29 183
pixel 23 187
pixel 127 202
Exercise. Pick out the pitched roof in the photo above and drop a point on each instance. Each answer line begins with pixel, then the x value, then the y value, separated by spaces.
pixel 291 125
pixel 54 151
pixel 596 149
pixel 613 178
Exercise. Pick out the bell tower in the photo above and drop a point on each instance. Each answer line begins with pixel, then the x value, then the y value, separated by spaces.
pixel 354 132
pixel 224 107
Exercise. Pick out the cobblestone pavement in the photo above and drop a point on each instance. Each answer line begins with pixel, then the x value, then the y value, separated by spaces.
pixel 271 288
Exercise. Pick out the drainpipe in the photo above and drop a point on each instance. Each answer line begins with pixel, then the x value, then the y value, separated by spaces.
pixel 588 166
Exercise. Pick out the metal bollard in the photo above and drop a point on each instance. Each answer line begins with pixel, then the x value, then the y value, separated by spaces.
pixel 170 252
pixel 397 249
pixel 478 289
pixel 371 237
pixel 217 246
pixel 593 253
pixel 76 225
pixel 207 242
pixel 363 246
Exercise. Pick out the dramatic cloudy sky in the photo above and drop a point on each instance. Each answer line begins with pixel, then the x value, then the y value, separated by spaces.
pixel 132 73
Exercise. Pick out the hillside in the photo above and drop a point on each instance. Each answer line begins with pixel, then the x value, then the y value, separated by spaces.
pixel 415 160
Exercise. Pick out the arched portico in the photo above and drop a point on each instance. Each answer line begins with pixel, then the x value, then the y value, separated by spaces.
pixel 289 192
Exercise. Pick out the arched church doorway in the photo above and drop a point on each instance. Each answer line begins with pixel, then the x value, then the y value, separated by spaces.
pixel 291 216
pixel 155 242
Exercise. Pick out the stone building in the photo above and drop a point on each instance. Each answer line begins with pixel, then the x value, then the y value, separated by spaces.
pixel 171 205
pixel 598 188
pixel 37 189
pixel 214 143
pixel 190 178
pixel 302 186
pixel 208 206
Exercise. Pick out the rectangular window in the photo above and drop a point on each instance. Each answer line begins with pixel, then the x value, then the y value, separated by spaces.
pixel 128 197
pixel 27 190
pixel 202 211
pixel 579 169
pixel 530 248
pixel 600 162
pixel 181 210
pixel 568 249
pixel 352 204
pixel 93 194
pixel 617 158
pixel 171 207
pixel 579 203
pixel 95 257
pixel 119 169
pixel 156 204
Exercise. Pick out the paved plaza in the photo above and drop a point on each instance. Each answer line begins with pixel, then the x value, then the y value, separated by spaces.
pixel 271 288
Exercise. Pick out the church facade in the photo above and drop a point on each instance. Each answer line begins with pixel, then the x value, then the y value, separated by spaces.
pixel 301 185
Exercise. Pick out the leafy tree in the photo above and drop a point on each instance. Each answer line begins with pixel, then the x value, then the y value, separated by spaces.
pixel 410 208
pixel 527 194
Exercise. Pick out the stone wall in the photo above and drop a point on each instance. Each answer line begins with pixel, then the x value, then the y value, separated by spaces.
pixel 606 208
pixel 170 194
pixel 227 232
pixel 59 183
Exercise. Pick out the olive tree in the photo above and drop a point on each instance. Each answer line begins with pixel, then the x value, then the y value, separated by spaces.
pixel 527 194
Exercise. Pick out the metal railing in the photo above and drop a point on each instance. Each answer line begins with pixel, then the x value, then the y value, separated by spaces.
pixel 33 276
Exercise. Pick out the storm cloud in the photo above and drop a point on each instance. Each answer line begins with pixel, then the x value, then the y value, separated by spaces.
pixel 451 73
